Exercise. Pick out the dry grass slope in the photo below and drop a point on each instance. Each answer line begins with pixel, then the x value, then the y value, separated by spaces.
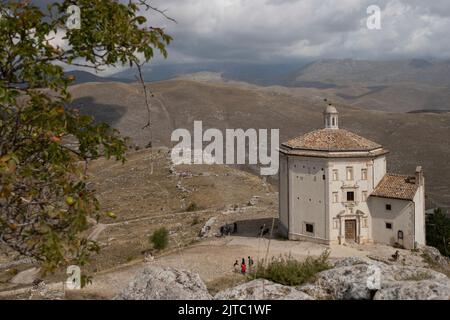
pixel 413 139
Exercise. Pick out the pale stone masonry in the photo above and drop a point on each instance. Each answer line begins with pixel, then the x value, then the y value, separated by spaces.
pixel 334 189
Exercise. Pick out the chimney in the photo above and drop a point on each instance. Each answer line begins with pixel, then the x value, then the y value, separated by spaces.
pixel 419 176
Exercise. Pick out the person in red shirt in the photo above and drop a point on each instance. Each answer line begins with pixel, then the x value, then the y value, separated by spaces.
pixel 243 267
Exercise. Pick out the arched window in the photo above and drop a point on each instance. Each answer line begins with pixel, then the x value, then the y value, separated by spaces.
pixel 333 120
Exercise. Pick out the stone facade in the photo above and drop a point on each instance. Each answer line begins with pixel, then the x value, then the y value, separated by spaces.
pixel 334 189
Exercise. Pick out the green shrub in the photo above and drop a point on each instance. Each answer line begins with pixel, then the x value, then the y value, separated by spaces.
pixel 12 272
pixel 160 239
pixel 195 221
pixel 192 207
pixel 288 271
pixel 438 231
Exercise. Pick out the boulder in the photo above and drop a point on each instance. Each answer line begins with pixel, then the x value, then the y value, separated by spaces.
pixel 42 291
pixel 351 261
pixel 415 290
pixel 315 291
pixel 262 290
pixel 436 256
pixel 158 283
pixel 26 277
pixel 348 282
pixel 358 279
pixel 204 232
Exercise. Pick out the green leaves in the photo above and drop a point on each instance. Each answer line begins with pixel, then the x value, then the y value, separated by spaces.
pixel 45 203
pixel 438 231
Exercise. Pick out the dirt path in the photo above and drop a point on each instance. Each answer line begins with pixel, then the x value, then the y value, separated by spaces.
pixel 213 259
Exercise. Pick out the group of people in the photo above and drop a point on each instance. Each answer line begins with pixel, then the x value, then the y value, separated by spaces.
pixel 228 229
pixel 244 267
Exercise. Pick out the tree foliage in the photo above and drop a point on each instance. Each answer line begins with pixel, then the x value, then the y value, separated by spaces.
pixel 160 238
pixel 438 231
pixel 46 204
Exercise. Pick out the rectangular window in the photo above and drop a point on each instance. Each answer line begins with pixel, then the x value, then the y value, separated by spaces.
pixel 335 175
pixel 363 174
pixel 388 225
pixel 388 207
pixel 349 173
pixel 364 196
pixel 335 197
pixel 309 228
pixel 350 196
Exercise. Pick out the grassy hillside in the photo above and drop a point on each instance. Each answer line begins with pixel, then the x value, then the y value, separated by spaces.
pixel 413 138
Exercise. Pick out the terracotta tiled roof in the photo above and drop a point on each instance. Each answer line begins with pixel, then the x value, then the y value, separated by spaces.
pixel 332 140
pixel 396 186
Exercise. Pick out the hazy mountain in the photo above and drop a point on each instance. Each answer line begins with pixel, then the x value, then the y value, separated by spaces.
pixel 414 85
pixel 83 77
pixel 255 73
pixel 413 138
pixel 399 86
pixel 350 72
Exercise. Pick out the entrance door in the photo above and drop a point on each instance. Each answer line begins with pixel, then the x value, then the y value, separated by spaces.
pixel 350 230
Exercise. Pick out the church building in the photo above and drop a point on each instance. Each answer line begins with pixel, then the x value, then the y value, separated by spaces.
pixel 334 189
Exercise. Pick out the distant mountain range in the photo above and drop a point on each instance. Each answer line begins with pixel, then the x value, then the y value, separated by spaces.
pixel 84 77
pixel 398 86
pixel 414 85
pixel 256 73
pixel 350 72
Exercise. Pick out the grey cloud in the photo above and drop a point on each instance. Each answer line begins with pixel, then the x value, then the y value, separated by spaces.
pixel 273 30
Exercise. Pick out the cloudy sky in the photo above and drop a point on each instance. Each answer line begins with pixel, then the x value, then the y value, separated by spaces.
pixel 268 30
pixel 279 30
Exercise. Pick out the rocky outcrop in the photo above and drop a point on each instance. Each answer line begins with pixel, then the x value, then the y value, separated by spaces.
pixel 415 290
pixel 157 283
pixel 435 256
pixel 26 277
pixel 349 279
pixel 359 279
pixel 15 263
pixel 205 231
pixel 262 290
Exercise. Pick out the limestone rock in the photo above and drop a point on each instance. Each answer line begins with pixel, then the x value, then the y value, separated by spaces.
pixel 149 257
pixel 157 283
pixel 42 291
pixel 26 277
pixel 357 279
pixel 348 282
pixel 351 261
pixel 253 290
pixel 415 290
pixel 436 256
pixel 315 291
pixel 204 232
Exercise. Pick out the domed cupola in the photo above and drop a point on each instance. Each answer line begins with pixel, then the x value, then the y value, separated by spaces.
pixel 331 117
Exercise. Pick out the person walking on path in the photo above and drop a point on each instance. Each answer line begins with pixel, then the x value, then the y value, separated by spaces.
pixel 250 262
pixel 236 266
pixel 243 266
